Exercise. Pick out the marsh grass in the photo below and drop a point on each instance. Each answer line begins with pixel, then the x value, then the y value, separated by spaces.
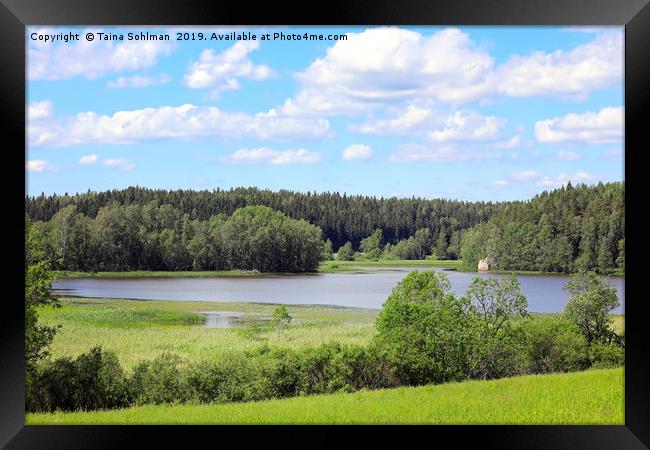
pixel 143 329
pixel 590 397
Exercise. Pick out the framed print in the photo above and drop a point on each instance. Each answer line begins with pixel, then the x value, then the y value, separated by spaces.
pixel 369 214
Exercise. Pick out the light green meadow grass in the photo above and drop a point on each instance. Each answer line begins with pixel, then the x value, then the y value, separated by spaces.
pixel 366 266
pixel 590 397
pixel 138 330
pixel 325 267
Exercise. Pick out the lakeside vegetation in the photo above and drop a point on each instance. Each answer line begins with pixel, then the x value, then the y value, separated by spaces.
pixel 423 335
pixel 569 229
pixel 359 266
pixel 133 328
pixel 592 397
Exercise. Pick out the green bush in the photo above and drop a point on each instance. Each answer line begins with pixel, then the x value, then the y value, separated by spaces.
pixel 93 380
pixel 158 381
pixel 425 333
pixel 234 378
pixel 602 355
pixel 554 344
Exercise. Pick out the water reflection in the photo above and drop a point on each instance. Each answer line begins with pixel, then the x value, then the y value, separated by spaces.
pixel 231 319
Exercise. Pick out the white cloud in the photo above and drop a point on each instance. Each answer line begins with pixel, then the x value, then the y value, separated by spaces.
pixel 439 154
pixel 88 159
pixel 407 120
pixel 524 175
pixel 604 126
pixel 264 155
pixel 138 81
pixel 357 151
pixel 564 178
pixel 40 110
pixel 500 183
pixel 515 141
pixel 384 65
pixel 393 66
pixel 574 73
pixel 90 59
pixel 459 126
pixel 468 126
pixel 167 122
pixel 39 165
pixel 569 156
pixel 119 163
pixel 222 71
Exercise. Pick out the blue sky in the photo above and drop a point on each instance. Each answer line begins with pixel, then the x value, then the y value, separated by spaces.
pixel 470 113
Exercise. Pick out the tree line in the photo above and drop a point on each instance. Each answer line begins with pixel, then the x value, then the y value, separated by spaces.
pixel 151 237
pixel 341 217
pixel 566 230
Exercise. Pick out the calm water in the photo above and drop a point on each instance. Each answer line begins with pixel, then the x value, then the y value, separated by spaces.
pixel 368 290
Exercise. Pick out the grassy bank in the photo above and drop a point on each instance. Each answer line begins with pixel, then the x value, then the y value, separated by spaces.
pixel 590 397
pixel 325 267
pixel 143 329
pixel 138 330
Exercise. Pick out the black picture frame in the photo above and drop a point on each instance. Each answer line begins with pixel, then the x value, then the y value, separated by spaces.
pixel 15 15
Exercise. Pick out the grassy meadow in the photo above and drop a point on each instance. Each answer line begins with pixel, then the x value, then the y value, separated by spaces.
pixel 360 266
pixel 589 397
pixel 143 329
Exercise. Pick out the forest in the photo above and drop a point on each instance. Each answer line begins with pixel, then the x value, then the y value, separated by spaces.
pixel 134 237
pixel 566 230
pixel 342 217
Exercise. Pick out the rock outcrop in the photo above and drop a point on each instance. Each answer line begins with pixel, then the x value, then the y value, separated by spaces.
pixel 485 264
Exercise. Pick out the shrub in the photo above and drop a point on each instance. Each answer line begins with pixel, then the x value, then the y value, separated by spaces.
pixel 554 344
pixel 592 298
pixel 159 381
pixel 93 380
pixel 425 333
pixel 233 378
pixel 602 355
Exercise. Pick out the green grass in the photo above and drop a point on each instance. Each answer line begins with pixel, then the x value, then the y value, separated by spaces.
pixel 325 267
pixel 144 329
pixel 362 266
pixel 138 330
pixel 590 397
pixel 163 274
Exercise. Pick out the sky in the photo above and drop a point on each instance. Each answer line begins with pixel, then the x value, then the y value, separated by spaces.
pixel 466 113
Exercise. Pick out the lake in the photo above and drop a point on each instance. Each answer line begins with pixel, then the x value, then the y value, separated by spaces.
pixel 362 290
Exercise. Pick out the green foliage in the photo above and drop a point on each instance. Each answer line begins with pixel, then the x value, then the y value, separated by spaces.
pixel 345 253
pixel 158 381
pixel 259 238
pixel 93 380
pixel 328 253
pixel 342 218
pixel 425 333
pixel 606 355
pixel 415 247
pixel 136 237
pixel 554 344
pixel 571 228
pixel 371 246
pixel 496 302
pixel 281 317
pixel 38 285
pixel 589 397
pixel 592 298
